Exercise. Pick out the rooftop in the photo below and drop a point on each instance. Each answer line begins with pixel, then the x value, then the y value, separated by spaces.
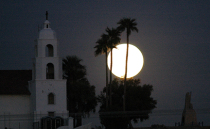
pixel 14 82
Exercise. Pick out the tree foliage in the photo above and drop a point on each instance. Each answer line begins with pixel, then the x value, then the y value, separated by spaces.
pixel 73 69
pixel 139 104
pixel 127 24
pixel 81 98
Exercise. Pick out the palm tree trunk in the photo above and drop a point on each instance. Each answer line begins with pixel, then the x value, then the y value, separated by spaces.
pixel 110 87
pixel 126 65
pixel 107 102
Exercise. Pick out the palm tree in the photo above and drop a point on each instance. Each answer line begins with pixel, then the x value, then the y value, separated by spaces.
pixel 113 40
pixel 129 25
pixel 73 70
pixel 102 48
pixel 78 85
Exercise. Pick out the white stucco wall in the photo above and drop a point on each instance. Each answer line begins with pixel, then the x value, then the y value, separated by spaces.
pixel 15 111
pixel 58 88
pixel 32 90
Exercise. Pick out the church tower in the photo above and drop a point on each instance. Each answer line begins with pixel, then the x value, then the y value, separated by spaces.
pixel 48 89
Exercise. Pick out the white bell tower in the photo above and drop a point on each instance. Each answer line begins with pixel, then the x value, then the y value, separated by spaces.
pixel 48 89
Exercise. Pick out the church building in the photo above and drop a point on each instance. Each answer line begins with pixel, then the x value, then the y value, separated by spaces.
pixel 35 99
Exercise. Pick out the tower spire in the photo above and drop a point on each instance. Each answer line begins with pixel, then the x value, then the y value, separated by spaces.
pixel 46 15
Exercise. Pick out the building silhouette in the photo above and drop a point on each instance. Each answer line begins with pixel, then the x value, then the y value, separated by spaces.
pixel 35 98
pixel 189 115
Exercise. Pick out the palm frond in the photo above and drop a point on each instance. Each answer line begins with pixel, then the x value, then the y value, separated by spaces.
pixel 128 24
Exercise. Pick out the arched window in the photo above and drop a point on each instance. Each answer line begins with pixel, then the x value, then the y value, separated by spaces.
pixel 50 71
pixel 51 98
pixel 49 50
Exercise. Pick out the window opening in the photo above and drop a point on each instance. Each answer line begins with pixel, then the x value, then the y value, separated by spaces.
pixel 51 114
pixel 49 50
pixel 50 71
pixel 51 98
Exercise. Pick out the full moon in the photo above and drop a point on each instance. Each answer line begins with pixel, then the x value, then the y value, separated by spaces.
pixel 135 60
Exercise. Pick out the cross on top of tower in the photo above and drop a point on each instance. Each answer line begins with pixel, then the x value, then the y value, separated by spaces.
pixel 46 15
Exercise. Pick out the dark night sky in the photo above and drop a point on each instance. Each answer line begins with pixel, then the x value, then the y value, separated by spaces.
pixel 173 37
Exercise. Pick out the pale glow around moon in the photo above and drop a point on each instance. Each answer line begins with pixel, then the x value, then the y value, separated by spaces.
pixel 135 60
